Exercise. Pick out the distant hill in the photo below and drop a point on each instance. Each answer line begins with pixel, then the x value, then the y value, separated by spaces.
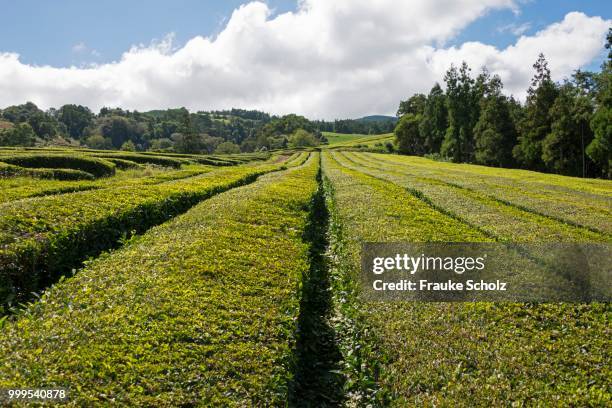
pixel 377 118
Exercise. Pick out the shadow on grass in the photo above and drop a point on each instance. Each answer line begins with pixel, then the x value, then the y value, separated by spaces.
pixel 317 380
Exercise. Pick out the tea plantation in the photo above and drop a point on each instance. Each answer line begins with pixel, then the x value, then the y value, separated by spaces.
pixel 142 279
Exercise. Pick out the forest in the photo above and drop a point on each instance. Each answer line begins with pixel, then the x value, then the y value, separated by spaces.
pixel 563 128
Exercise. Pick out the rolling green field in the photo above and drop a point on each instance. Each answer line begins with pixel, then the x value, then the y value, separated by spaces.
pixel 335 138
pixel 374 143
pixel 341 140
pixel 187 280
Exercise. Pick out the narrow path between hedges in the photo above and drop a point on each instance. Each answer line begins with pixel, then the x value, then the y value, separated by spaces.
pixel 317 378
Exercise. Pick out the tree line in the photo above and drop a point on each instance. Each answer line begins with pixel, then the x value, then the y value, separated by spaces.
pixel 563 128
pixel 366 126
pixel 170 130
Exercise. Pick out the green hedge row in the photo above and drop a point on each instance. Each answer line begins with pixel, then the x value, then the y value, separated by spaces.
pixel 450 354
pixel 123 164
pixel 9 170
pixel 142 158
pixel 45 237
pixel 211 161
pixel 12 188
pixel 504 221
pixel 197 312
pixel 97 167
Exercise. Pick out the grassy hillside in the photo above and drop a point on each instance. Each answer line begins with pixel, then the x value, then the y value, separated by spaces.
pixel 338 140
pixel 335 138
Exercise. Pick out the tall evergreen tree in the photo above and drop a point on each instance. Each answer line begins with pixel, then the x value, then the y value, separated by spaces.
pixel 435 120
pixel 600 149
pixel 563 147
pixel 537 121
pixel 495 132
pixel 461 95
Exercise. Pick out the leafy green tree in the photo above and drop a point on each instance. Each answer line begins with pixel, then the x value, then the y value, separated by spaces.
pixel 161 144
pixel 121 129
pixel 210 143
pixel 128 146
pixel 302 138
pixel 19 113
pixel 537 121
pixel 407 135
pixel 165 129
pixel 227 148
pixel 435 120
pixel 18 135
pixel 188 143
pixel 76 118
pixel 281 127
pixel 415 105
pixel 98 142
pixel 248 145
pixel 276 142
pixel 43 124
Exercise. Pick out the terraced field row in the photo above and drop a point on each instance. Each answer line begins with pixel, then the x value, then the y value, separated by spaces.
pixel 43 238
pixel 197 311
pixel 37 172
pixel 581 202
pixel 499 219
pixel 452 354
pixel 16 188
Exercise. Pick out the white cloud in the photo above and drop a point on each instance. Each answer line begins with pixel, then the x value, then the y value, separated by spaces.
pixel 516 29
pixel 79 47
pixel 344 58
pixel 567 45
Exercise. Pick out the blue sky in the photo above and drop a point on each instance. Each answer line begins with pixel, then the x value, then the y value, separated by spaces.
pixel 45 32
pixel 50 32
pixel 534 15
pixel 333 59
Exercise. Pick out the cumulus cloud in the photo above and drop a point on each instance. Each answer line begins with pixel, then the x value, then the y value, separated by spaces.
pixel 567 45
pixel 344 58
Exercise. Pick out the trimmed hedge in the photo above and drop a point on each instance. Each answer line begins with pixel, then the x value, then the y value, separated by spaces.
pixel 9 170
pixel 12 188
pixel 97 167
pixel 142 158
pixel 46 237
pixel 123 164
pixel 212 161
pixel 196 312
